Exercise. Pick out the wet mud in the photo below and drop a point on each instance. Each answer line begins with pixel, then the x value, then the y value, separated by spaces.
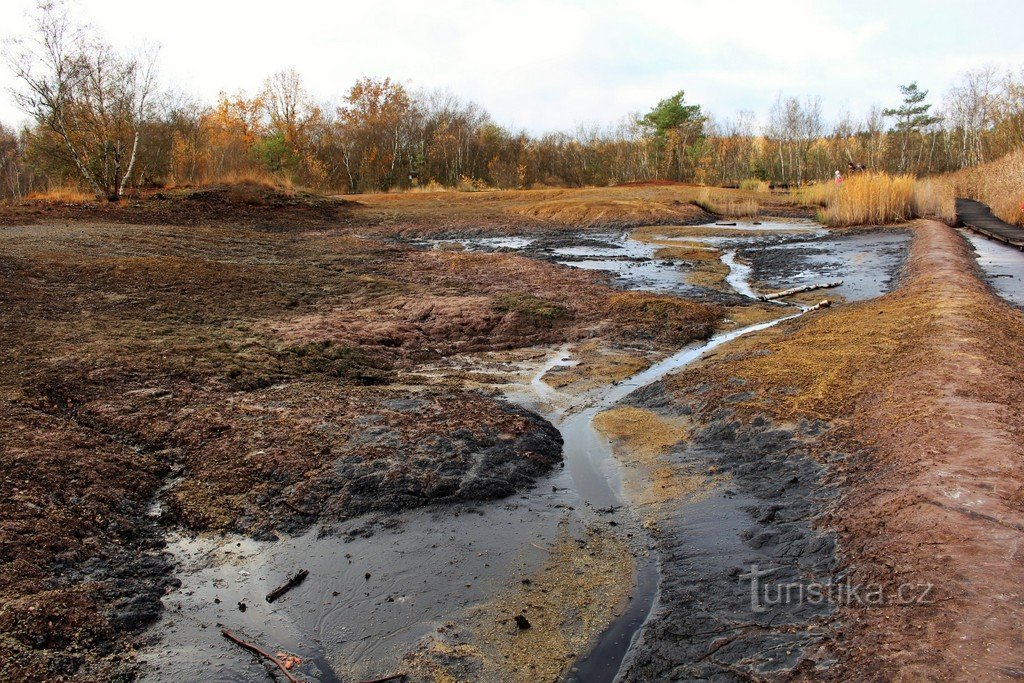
pixel 434 591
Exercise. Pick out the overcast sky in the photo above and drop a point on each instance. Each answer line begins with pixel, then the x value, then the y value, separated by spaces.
pixel 550 64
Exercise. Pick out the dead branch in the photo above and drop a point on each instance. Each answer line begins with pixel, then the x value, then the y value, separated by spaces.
pixel 797 290
pixel 256 649
pixel 393 677
pixel 292 582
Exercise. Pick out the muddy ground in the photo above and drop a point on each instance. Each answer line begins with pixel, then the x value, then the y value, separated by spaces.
pixel 898 420
pixel 238 366
pixel 256 378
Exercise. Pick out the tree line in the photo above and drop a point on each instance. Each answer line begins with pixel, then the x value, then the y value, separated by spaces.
pixel 99 120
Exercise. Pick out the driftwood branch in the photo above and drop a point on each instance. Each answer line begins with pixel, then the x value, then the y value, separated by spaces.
pixel 256 649
pixel 291 583
pixel 392 677
pixel 797 290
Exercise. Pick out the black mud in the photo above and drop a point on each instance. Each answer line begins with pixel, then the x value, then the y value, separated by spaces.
pixel 867 260
pixel 707 625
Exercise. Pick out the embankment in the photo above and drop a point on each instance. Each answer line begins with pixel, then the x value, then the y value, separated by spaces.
pixel 895 423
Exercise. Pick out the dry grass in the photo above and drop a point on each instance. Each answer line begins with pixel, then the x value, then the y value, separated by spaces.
pixel 727 206
pixel 870 198
pixel 754 185
pixel 251 178
pixel 65 193
pixel 935 198
pixel 999 183
pixel 814 194
pixel 508 211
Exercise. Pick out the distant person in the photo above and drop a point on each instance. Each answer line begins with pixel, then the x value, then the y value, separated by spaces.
pixel 839 177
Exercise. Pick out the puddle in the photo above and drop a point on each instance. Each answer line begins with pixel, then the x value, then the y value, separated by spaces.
pixel 867 263
pixel 1003 267
pixel 424 570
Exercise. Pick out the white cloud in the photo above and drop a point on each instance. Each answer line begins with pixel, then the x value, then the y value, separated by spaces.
pixel 549 64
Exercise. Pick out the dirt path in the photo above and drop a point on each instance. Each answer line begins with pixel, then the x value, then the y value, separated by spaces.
pixel 939 501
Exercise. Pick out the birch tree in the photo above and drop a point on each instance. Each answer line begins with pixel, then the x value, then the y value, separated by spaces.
pixel 78 88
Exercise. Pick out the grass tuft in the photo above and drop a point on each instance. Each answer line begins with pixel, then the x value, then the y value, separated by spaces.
pixel 721 206
pixel 66 193
pixel 755 185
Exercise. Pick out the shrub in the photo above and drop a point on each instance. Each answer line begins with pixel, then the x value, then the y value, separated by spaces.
pixel 754 185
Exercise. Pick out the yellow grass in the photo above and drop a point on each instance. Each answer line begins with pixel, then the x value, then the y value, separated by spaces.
pixel 815 194
pixel 999 183
pixel 870 198
pixel 754 185
pixel 723 206
pixel 935 198
pixel 63 194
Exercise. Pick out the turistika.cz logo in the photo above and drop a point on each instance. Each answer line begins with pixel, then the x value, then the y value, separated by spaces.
pixel 765 594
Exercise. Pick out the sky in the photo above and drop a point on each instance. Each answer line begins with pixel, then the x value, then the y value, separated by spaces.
pixel 544 65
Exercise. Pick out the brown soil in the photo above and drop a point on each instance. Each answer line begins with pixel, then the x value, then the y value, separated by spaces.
pixel 923 386
pixel 247 204
pixel 422 213
pixel 253 371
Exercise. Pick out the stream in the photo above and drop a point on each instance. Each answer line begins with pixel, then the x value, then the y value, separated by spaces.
pixel 377 586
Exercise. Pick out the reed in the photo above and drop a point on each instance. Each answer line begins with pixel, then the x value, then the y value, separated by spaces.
pixel 723 206
pixel 755 185
pixel 870 199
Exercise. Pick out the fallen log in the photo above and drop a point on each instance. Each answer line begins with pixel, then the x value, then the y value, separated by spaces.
pixel 824 303
pixel 256 649
pixel 797 290
pixel 291 583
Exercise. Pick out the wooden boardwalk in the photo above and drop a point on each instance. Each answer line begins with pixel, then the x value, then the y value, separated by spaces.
pixel 978 217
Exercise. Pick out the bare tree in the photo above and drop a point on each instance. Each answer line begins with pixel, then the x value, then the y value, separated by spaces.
pixel 11 184
pixel 80 89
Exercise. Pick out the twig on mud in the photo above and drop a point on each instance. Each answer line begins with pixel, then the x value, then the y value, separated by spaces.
pixel 393 677
pixel 292 506
pixel 260 651
pixel 292 582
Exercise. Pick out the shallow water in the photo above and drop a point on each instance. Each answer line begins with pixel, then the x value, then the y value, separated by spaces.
pixel 739 275
pixel 865 262
pixel 1002 264
pixel 632 262
pixel 423 570
pixel 427 566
